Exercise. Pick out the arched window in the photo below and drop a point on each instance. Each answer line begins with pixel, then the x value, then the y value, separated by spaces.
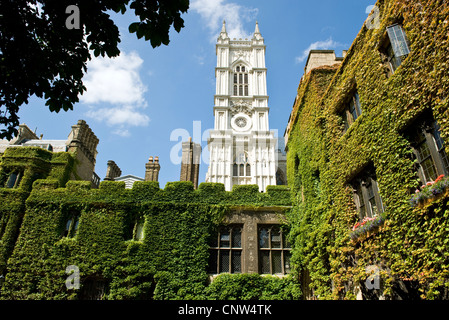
pixel 241 166
pixel 240 81
pixel 235 170
pixel 242 170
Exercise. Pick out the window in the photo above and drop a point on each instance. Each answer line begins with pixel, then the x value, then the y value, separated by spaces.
pixel 138 232
pixel 428 148
pixel 366 194
pixel 226 250
pixel 240 81
pixel 71 226
pixel 241 167
pixel 14 179
pixel 94 288
pixel 248 170
pixel 396 47
pixel 274 250
pixel 352 111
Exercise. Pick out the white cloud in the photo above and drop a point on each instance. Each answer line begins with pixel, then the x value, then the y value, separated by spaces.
pixel 115 92
pixel 215 11
pixel 319 45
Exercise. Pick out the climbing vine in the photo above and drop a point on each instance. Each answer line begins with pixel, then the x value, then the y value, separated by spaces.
pixel 407 244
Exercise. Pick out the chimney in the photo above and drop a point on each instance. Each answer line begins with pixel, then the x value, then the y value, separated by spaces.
pixel 152 168
pixel 113 171
pixel 190 163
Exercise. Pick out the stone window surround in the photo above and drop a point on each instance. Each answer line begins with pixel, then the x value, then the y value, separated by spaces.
pixel 251 219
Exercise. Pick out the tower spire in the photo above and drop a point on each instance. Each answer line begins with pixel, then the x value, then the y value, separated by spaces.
pixel 256 31
pixel 223 28
pixel 223 34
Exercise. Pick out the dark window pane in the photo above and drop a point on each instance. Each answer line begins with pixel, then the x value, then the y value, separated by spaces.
pixel 240 90
pixel 235 77
pixel 361 202
pixel 276 255
pixel 246 78
pixel 224 261
pixel 248 170
pixel 275 238
pixel 357 104
pixel 243 68
pixel 235 90
pixel 213 260
pixel 440 146
pixel 12 180
pixel 240 78
pixel 263 238
pixel 241 171
pixel 214 240
pixel 246 91
pixel 235 170
pixel 236 238
pixel 264 262
pixel 429 169
pixel 225 239
pixel 236 261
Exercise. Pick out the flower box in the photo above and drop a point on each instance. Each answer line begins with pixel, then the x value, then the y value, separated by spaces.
pixel 430 192
pixel 366 226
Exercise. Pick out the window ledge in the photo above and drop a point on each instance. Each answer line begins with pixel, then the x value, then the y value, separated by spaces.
pixel 430 193
pixel 367 228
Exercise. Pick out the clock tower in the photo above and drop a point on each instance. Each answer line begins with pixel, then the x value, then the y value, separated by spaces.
pixel 242 148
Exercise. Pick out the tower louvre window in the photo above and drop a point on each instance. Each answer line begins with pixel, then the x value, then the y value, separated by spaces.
pixel 241 81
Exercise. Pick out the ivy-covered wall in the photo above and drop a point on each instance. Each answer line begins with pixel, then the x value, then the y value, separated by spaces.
pixel 169 262
pixel 33 163
pixel 409 244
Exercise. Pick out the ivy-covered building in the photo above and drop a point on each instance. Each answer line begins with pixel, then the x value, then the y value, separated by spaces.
pixel 367 162
pixel 64 237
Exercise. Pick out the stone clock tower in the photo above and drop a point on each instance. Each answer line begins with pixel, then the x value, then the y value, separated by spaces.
pixel 242 149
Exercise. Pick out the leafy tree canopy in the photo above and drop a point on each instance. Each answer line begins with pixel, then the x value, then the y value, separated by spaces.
pixel 40 55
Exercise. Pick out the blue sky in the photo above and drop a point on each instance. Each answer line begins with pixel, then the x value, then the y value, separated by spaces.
pixel 142 103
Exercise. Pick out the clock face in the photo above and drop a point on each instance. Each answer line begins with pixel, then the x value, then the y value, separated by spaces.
pixel 241 122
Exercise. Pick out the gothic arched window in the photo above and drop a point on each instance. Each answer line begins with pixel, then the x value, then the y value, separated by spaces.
pixel 241 166
pixel 241 81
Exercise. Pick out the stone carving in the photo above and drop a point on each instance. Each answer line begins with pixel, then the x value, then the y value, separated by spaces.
pixel 241 106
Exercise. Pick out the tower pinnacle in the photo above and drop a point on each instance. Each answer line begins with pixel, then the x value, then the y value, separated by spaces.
pixel 223 28
pixel 256 31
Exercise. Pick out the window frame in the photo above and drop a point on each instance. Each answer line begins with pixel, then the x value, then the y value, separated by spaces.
pixel 365 200
pixel 217 250
pixel 284 249
pixel 13 183
pixel 71 225
pixel 427 130
pixel 393 54
pixel 353 102
pixel 240 81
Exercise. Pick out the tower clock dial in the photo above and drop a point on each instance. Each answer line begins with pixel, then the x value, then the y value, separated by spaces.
pixel 241 122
